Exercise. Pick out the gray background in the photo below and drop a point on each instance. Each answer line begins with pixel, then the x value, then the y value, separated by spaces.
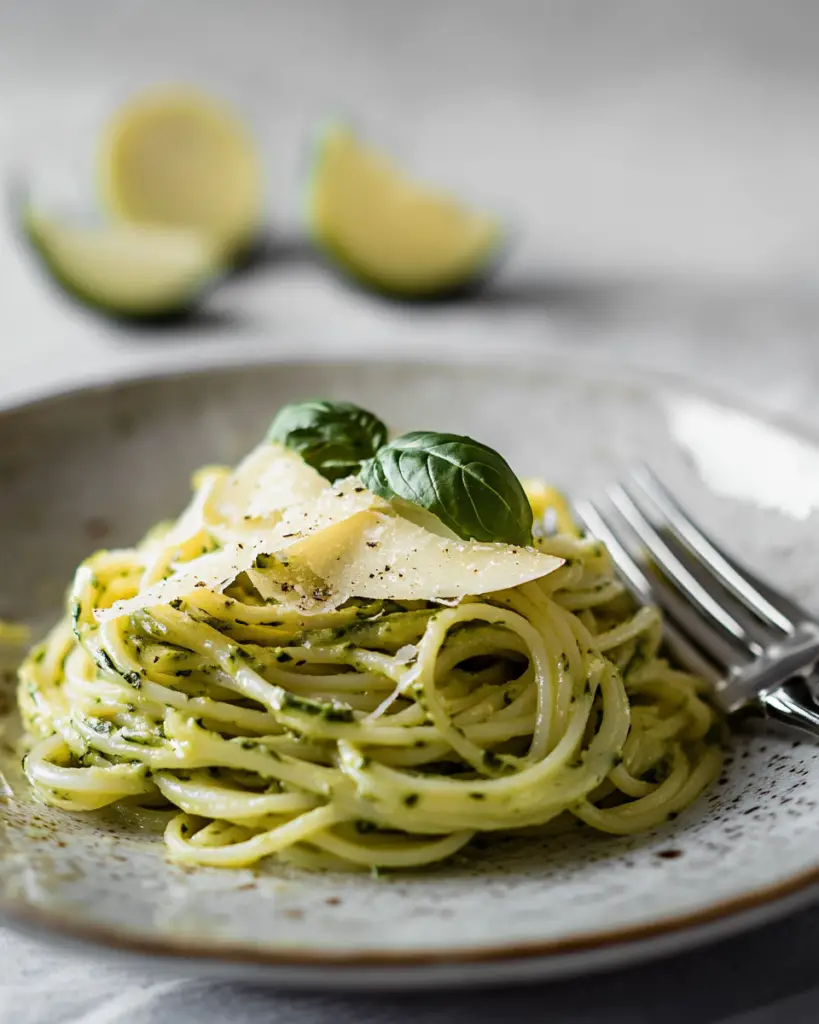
pixel 659 165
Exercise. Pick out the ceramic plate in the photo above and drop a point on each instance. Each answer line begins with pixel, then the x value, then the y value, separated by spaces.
pixel 97 467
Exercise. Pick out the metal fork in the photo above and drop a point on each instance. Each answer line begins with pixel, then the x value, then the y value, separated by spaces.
pixel 757 647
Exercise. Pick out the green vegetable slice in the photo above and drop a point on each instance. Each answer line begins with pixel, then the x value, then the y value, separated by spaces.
pixel 124 270
pixel 175 157
pixel 389 232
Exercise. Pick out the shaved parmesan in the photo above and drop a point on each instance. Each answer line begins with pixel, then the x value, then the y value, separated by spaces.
pixel 217 570
pixel 379 555
pixel 208 484
pixel 326 519
pixel 270 479
pixel 334 505
pixel 339 541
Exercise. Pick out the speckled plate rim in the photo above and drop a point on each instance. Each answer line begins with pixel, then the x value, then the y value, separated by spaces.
pixel 530 961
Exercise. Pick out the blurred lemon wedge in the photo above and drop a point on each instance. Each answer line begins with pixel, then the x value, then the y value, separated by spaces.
pixel 389 232
pixel 125 270
pixel 549 504
pixel 174 157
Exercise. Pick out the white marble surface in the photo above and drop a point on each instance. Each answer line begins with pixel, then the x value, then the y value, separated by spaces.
pixel 659 162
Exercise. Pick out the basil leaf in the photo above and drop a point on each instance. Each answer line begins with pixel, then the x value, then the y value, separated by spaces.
pixel 333 437
pixel 467 485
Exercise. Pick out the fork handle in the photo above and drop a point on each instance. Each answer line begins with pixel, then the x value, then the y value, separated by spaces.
pixel 793 704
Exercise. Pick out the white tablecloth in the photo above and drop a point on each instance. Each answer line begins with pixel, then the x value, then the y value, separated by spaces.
pixel 661 162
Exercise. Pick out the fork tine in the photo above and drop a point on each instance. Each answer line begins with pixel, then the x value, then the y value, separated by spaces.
pixel 719 618
pixel 787 606
pixel 690 605
pixel 592 519
pixel 769 606
pixel 644 591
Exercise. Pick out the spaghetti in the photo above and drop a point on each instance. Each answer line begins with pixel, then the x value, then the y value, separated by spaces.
pixel 207 673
